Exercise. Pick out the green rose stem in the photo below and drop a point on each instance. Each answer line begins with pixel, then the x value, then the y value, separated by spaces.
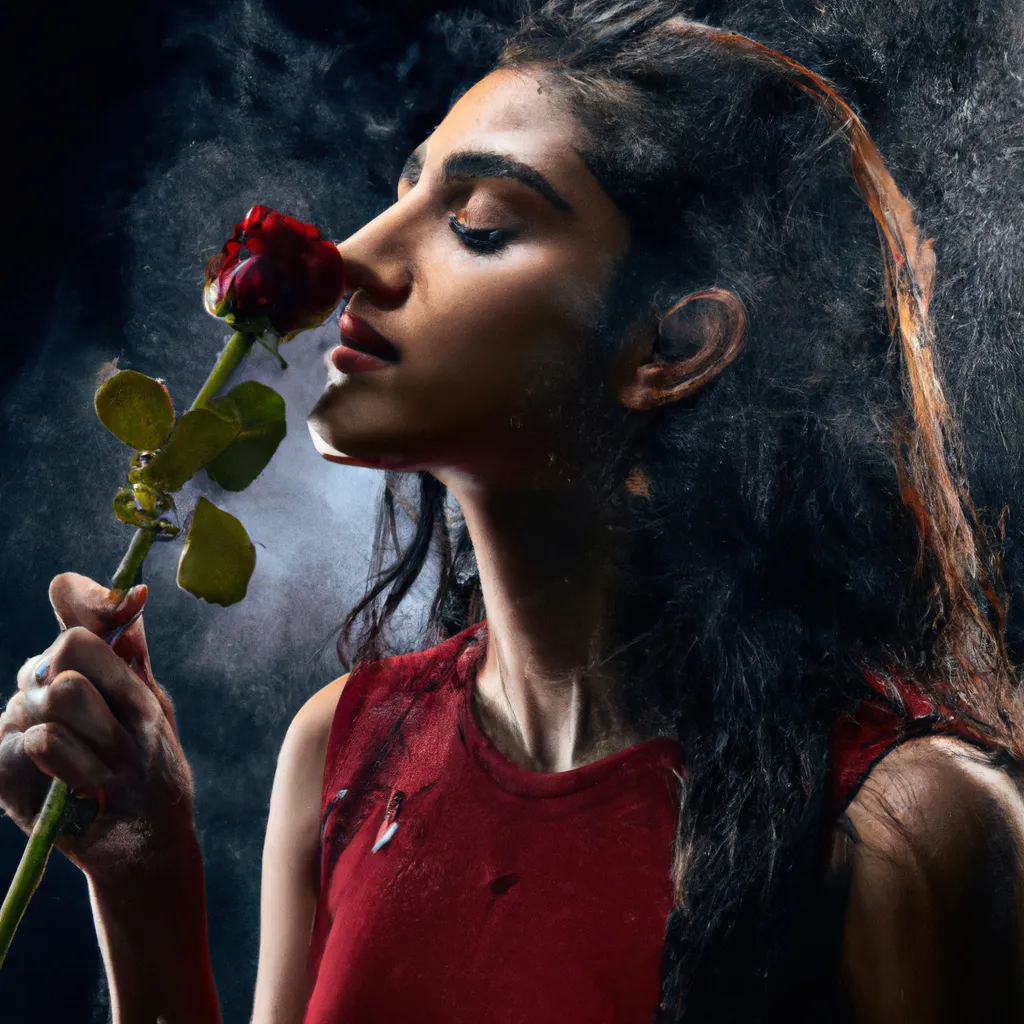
pixel 238 344
pixel 52 816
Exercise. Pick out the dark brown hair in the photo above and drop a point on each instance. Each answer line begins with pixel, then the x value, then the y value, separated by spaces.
pixel 804 517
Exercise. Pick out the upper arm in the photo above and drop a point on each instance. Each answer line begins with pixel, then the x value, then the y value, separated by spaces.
pixel 291 878
pixel 934 928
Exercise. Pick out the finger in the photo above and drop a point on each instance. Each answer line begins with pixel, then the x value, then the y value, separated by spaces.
pixel 132 649
pixel 78 650
pixel 80 601
pixel 24 785
pixel 130 646
pixel 13 717
pixel 72 701
pixel 33 671
pixel 58 752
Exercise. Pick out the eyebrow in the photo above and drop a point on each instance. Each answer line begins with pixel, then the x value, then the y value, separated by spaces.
pixel 467 164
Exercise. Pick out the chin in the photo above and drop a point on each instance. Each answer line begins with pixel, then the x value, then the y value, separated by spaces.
pixel 328 452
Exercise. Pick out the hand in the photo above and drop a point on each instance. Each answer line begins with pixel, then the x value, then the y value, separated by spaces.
pixel 99 721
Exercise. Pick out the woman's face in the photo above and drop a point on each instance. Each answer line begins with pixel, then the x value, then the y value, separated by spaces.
pixel 487 275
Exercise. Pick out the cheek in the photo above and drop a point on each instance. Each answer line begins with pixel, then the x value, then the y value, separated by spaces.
pixel 490 352
pixel 486 329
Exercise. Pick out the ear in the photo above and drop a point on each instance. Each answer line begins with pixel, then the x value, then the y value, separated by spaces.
pixel 694 341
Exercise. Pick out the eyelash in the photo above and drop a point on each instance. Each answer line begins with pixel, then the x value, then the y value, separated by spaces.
pixel 483 240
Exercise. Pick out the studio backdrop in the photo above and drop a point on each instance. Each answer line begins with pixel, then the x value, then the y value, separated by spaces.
pixel 138 140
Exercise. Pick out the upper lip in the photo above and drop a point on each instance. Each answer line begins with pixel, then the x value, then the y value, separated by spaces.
pixel 360 335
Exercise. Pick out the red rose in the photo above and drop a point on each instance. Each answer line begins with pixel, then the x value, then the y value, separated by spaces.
pixel 274 273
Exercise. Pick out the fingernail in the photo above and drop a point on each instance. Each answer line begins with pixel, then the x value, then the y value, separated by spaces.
pixel 129 595
pixel 41 669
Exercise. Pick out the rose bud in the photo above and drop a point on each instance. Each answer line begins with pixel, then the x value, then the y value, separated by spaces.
pixel 274 273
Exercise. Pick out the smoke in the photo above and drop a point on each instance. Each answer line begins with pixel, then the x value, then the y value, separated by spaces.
pixel 940 86
pixel 315 121
pixel 304 126
pixel 313 112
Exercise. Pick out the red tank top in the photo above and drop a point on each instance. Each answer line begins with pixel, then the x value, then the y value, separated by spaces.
pixel 456 886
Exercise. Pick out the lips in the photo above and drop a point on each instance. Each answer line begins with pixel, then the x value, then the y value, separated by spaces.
pixel 361 336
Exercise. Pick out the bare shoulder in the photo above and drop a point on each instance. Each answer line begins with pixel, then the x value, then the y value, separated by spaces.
pixel 934 928
pixel 310 729
pixel 290 883
pixel 941 799
pixel 302 757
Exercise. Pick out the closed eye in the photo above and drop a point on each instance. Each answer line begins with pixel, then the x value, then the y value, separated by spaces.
pixel 479 240
pixel 482 240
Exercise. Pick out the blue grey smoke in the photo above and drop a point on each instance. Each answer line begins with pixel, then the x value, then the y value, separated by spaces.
pixel 312 111
pixel 315 125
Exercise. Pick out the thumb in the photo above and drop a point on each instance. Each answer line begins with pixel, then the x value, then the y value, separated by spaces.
pixel 80 601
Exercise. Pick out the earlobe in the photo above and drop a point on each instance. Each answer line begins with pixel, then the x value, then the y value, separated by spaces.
pixel 714 323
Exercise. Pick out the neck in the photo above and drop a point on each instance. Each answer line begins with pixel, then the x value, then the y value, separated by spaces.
pixel 546 693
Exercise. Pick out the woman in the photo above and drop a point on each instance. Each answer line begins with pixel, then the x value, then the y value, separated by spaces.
pixel 739 738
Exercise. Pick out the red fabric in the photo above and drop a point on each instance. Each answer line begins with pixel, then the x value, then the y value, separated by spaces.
pixel 504 896
pixel 878 724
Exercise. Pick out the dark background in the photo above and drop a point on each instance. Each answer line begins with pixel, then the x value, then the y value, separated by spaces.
pixel 136 140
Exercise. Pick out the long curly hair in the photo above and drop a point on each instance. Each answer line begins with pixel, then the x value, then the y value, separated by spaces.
pixel 804 517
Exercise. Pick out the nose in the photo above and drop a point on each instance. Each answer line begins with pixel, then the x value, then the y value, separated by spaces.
pixel 375 263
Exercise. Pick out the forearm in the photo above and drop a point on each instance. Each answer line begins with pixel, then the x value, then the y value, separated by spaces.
pixel 152 930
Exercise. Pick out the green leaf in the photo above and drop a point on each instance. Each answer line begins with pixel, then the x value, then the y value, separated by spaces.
pixel 135 408
pixel 263 427
pixel 218 558
pixel 198 437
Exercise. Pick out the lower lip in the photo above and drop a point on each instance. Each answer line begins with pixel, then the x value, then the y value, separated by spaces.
pixel 350 360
